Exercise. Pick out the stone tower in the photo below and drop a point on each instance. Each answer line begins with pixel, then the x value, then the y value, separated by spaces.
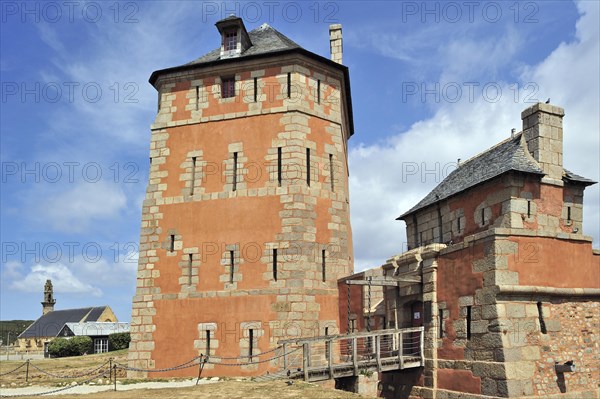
pixel 245 226
pixel 49 301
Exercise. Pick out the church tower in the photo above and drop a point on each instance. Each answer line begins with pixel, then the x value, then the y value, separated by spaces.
pixel 49 301
pixel 246 224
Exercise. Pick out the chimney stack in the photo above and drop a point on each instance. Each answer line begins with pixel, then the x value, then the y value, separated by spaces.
pixel 335 42
pixel 543 132
pixel 49 301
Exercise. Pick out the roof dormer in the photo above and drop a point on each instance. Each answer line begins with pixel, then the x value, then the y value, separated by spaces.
pixel 234 37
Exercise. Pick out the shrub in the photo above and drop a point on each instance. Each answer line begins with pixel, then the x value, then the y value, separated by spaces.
pixel 118 341
pixel 81 345
pixel 60 347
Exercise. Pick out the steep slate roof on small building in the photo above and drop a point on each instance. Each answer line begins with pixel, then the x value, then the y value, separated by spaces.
pixel 50 324
pixel 508 155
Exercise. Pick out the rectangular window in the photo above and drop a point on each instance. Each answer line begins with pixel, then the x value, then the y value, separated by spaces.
pixel 289 85
pixel 458 224
pixel 235 168
pixel 189 269
pixel 323 266
pixel 279 166
pixel 255 89
pixel 230 41
pixel 227 87
pixel 308 166
pixel 193 183
pixel 100 345
pixel 528 208
pixel 172 244
pixel 319 91
pixel 231 266
pixel 208 342
pixel 251 344
pixel 352 325
pixel 331 171
pixel 468 322
pixel 441 322
pixel 483 216
pixel 569 213
pixel 275 264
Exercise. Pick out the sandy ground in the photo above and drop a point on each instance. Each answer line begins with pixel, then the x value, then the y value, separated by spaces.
pixel 85 389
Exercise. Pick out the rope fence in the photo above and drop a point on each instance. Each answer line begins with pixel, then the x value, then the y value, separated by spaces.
pixel 113 367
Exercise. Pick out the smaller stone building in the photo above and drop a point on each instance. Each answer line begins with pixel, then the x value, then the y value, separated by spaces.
pixel 500 275
pixel 61 323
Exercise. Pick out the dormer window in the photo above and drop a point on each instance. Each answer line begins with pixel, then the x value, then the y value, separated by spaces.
pixel 230 40
pixel 234 37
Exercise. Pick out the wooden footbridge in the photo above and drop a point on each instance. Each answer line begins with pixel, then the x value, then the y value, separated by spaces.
pixel 336 356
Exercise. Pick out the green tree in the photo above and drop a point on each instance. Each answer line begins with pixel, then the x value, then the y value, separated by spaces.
pixel 118 341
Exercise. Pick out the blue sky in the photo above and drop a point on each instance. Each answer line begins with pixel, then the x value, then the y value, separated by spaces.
pixel 431 82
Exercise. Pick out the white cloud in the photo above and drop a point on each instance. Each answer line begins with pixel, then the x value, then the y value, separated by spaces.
pixel 63 280
pixel 461 130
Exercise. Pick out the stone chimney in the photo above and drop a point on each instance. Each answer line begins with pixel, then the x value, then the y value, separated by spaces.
pixel 335 42
pixel 49 301
pixel 543 131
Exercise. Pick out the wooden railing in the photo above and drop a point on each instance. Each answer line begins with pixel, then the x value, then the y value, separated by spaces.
pixel 334 356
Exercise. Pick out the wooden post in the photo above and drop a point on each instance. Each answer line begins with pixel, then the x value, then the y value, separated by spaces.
pixel 422 345
pixel 110 360
pixel 401 349
pixel 305 359
pixel 27 371
pixel 329 357
pixel 355 355
pixel 115 372
pixel 378 352
pixel 285 356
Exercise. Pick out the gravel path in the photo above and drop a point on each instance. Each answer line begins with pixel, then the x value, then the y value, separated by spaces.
pixel 83 389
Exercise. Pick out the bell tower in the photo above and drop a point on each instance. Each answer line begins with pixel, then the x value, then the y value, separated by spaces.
pixel 49 301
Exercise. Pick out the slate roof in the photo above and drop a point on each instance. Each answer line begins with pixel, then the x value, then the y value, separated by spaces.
pixel 508 155
pixel 50 324
pixel 96 328
pixel 265 39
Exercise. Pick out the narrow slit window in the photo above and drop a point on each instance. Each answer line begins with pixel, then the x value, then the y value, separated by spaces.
pixel 189 269
pixel 150 160
pixel 208 342
pixel 275 264
pixel 541 318
pixel 193 182
pixel 289 84
pixel 384 322
pixel 172 244
pixel 197 98
pixel 279 163
pixel 231 266
pixel 318 91
pixel 569 213
pixel 308 166
pixel 235 168
pixel 323 266
pixel 331 172
pixel 468 322
pixel 421 238
pixel 251 344
pixel 483 216
pixel 441 322
pixel 528 208
pixel 458 224
pixel 255 89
